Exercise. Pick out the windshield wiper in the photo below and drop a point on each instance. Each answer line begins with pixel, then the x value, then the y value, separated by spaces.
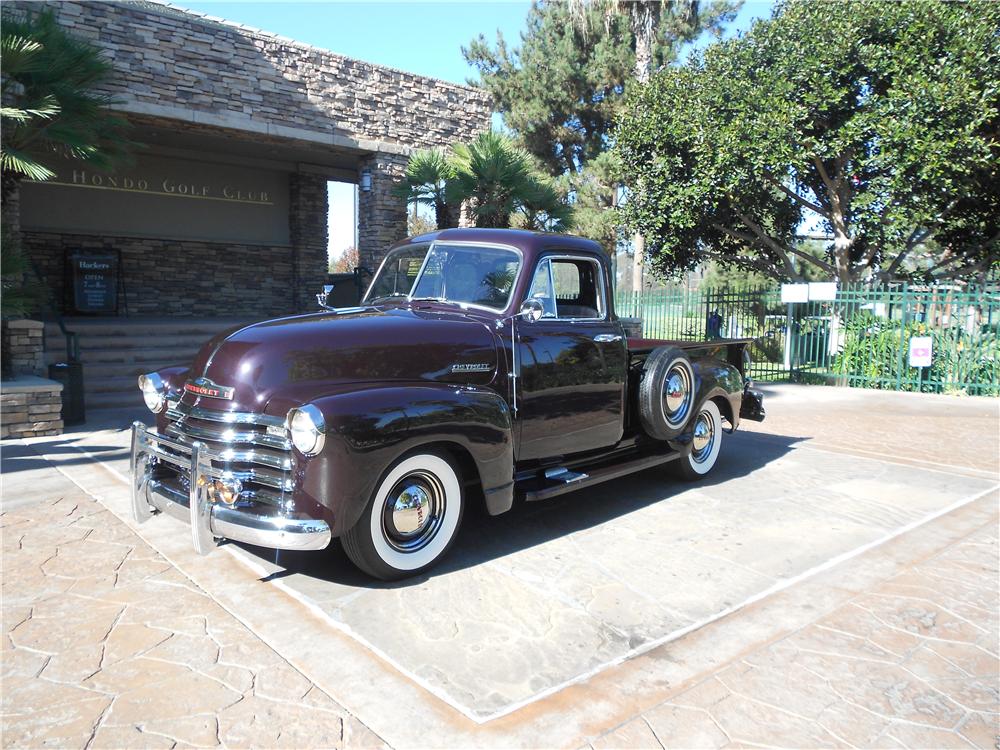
pixel 433 299
pixel 385 296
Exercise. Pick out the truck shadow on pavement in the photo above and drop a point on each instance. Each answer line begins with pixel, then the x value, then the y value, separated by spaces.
pixel 483 537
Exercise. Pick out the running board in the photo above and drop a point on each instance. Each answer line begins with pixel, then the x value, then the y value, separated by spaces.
pixel 595 476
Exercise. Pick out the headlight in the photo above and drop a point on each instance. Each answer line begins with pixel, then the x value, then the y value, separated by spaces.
pixel 307 429
pixel 154 391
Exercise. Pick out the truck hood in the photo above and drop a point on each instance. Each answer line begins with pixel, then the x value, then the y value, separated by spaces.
pixel 306 356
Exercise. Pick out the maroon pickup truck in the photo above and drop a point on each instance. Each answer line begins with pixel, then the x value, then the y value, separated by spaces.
pixel 481 366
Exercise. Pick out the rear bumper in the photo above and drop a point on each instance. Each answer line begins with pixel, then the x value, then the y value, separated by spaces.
pixel 752 407
pixel 210 520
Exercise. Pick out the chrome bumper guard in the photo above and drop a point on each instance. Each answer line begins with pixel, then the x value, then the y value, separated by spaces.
pixel 209 520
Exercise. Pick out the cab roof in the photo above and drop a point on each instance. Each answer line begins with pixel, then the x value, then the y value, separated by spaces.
pixel 531 244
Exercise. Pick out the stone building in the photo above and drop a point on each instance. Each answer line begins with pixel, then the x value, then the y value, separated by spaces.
pixel 223 210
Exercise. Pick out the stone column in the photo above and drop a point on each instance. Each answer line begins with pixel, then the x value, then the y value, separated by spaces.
pixel 308 230
pixel 381 215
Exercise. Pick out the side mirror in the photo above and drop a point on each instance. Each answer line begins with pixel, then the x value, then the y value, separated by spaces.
pixel 322 297
pixel 532 310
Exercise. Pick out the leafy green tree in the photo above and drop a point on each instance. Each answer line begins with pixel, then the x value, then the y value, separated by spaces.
pixel 51 108
pixel 876 120
pixel 560 89
pixel 417 224
pixel 595 191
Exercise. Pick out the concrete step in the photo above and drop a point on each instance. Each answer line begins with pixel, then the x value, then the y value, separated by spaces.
pixel 155 357
pixel 116 400
pixel 115 351
pixel 126 326
pixel 107 370
pixel 132 341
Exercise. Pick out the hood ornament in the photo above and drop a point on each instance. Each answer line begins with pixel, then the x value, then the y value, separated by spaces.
pixel 205 387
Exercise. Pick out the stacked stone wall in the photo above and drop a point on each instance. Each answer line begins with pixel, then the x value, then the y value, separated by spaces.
pixel 177 278
pixel 30 411
pixel 24 345
pixel 308 228
pixel 381 215
pixel 254 80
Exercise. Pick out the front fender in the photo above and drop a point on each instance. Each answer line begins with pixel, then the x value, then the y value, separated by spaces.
pixel 369 429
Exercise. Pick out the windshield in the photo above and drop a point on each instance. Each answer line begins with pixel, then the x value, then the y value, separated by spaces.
pixel 465 274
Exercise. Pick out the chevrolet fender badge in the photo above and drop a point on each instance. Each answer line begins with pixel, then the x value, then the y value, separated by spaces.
pixel 472 367
pixel 205 387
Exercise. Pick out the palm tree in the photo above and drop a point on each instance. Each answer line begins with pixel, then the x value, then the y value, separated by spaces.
pixel 494 175
pixel 429 181
pixel 544 208
pixel 51 108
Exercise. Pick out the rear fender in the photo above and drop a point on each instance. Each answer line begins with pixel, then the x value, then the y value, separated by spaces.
pixel 368 430
pixel 723 383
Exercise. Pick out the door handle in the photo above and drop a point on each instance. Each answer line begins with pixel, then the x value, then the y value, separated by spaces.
pixel 607 338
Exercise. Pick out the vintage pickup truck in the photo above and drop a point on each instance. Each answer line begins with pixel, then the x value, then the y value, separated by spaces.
pixel 481 366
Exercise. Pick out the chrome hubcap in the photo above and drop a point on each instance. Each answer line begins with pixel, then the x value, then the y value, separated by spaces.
pixel 675 396
pixel 412 511
pixel 704 437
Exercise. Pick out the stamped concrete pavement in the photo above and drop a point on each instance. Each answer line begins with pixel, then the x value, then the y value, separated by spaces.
pixel 107 645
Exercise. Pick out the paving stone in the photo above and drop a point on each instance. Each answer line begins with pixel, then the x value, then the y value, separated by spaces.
pixel 915 736
pixel 60 725
pixel 359 737
pixel 636 735
pixel 197 731
pixel 133 738
pixel 261 722
pixel 129 640
pixel 173 698
pixel 981 730
pixel 681 727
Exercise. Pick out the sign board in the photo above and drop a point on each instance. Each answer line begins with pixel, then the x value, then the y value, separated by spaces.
pixel 794 293
pixel 95 282
pixel 823 291
pixel 921 351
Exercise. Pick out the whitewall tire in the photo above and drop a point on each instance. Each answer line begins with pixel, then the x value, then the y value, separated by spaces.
pixel 410 521
pixel 705 444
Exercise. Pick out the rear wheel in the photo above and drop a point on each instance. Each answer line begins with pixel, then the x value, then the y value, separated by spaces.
pixel 706 442
pixel 411 519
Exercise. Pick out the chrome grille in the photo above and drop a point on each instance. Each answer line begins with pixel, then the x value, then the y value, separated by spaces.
pixel 253 448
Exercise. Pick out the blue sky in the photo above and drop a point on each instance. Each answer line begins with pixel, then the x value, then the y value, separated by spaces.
pixel 421 37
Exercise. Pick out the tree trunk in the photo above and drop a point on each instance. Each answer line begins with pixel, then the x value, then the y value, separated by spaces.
pixel 643 16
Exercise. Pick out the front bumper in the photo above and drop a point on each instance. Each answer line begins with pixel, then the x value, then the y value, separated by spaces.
pixel 209 519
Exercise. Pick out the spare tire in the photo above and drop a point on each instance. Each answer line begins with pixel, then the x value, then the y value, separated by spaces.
pixel 666 393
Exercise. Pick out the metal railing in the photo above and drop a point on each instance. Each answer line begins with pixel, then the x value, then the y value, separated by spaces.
pixel 861 338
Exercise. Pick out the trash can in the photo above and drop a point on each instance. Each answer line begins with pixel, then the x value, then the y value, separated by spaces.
pixel 70 374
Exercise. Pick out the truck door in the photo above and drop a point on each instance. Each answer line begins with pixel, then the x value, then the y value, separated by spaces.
pixel 571 363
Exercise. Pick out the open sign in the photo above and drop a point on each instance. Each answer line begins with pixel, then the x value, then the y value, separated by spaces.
pixel 921 351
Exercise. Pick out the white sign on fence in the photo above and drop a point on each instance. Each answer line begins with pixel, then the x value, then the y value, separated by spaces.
pixel 921 351
pixel 823 291
pixel 794 293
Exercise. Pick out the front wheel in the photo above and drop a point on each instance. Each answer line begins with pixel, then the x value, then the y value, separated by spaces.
pixel 411 519
pixel 706 442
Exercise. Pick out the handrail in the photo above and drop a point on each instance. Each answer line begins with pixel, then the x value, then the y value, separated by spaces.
pixel 72 341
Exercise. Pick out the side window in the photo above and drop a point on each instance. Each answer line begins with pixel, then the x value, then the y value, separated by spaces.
pixel 541 289
pixel 577 286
